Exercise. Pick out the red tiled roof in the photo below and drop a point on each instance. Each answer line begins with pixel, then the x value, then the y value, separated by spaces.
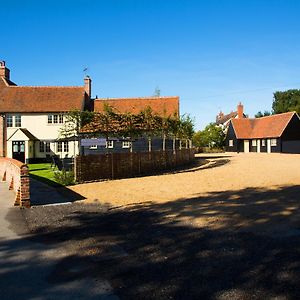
pixel 265 127
pixel 41 99
pixel 163 106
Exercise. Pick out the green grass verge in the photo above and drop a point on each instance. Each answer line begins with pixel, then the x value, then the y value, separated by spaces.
pixel 44 173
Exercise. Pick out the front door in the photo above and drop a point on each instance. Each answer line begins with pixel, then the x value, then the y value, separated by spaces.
pixel 246 146
pixel 18 150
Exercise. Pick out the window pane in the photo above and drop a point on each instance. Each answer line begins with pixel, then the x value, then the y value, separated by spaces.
pixel 66 146
pixel 42 147
pixel 9 121
pixel 49 119
pixel 55 119
pixel 18 121
pixel 61 119
pixel 59 146
pixel 47 147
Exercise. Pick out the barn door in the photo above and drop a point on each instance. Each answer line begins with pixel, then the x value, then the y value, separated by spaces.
pixel 246 146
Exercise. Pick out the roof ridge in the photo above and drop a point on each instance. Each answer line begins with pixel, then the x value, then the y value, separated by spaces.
pixel 287 112
pixel 45 86
pixel 150 97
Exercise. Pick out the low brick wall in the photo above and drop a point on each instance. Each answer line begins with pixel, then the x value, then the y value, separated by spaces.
pixel 17 175
pixel 125 165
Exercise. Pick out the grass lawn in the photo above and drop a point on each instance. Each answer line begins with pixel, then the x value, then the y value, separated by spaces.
pixel 43 172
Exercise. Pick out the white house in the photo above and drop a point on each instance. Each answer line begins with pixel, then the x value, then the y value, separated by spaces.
pixel 31 118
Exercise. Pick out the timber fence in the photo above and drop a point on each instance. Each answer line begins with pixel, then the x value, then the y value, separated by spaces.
pixel 126 165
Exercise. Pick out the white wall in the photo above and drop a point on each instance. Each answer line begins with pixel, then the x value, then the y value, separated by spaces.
pixel 37 125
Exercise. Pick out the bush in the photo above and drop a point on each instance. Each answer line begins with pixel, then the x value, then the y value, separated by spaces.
pixel 64 177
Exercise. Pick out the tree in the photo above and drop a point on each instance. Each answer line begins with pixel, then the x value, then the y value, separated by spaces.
pixel 260 114
pixel 212 136
pixel 286 101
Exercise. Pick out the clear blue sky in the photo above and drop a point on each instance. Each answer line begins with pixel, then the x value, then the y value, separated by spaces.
pixel 212 54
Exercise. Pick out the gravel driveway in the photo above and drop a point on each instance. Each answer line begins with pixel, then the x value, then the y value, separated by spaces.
pixel 227 229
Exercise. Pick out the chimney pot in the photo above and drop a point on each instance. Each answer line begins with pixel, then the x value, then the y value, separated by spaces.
pixel 240 110
pixel 88 85
pixel 4 72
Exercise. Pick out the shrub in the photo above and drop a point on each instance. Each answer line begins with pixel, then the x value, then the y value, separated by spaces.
pixel 64 177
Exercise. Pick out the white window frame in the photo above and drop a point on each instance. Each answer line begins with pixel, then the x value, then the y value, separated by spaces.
pixel 273 142
pixel 9 121
pixel 126 144
pixel 109 144
pixel 42 147
pixel 60 146
pixel 230 143
pixel 19 121
pixel 263 143
pixel 253 143
pixel 47 147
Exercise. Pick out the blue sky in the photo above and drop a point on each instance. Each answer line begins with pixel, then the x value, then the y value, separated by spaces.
pixel 212 54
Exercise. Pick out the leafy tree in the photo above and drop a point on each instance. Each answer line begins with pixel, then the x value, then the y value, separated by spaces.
pixel 260 114
pixel 286 101
pixel 212 136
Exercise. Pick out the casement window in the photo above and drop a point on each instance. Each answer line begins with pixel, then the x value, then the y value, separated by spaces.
pixel 9 121
pixel 126 144
pixel 263 143
pixel 47 147
pixel 253 143
pixel 62 146
pixel 273 142
pixel 66 146
pixel 59 146
pixel 109 144
pixel 18 122
pixel 42 146
pixel 56 119
pixel 230 143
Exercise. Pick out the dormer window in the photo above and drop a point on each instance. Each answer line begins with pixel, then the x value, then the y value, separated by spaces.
pixel 9 121
pixel 13 121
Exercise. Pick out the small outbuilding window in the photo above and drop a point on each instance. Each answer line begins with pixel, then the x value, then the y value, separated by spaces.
pixel 126 144
pixel 109 144
pixel 230 143
pixel 253 143
pixel 42 146
pixel 263 143
pixel 273 142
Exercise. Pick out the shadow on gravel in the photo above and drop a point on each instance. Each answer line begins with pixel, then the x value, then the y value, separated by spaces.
pixel 229 245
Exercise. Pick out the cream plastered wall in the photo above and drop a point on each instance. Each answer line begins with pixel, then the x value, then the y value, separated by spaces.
pixel 37 125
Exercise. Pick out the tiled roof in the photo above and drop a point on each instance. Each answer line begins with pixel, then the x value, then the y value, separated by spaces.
pixel 41 99
pixel 265 127
pixel 163 106
pixel 226 118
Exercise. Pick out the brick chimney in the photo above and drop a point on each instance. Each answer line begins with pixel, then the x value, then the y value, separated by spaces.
pixel 88 85
pixel 240 110
pixel 4 72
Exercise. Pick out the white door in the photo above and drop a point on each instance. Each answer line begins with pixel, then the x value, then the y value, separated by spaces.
pixel 258 146
pixel 246 146
pixel 268 145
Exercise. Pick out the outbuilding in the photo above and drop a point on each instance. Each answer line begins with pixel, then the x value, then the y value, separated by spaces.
pixel 276 133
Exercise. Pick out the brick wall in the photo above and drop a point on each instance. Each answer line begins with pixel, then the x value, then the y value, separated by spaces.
pixel 16 174
pixel 2 136
pixel 125 165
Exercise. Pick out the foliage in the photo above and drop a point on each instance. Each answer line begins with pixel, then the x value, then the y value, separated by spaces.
pixel 286 101
pixel 212 136
pixel 64 177
pixel 110 123
pixel 75 120
pixel 260 114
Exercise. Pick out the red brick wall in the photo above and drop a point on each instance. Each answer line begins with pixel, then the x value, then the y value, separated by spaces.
pixel 125 165
pixel 2 136
pixel 16 174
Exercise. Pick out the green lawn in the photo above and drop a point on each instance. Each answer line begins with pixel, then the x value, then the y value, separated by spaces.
pixel 43 172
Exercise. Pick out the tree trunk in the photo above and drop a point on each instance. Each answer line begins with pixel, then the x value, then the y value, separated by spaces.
pixel 174 145
pixel 149 144
pixel 164 142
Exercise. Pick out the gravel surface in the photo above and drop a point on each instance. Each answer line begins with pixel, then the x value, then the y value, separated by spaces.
pixel 193 235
